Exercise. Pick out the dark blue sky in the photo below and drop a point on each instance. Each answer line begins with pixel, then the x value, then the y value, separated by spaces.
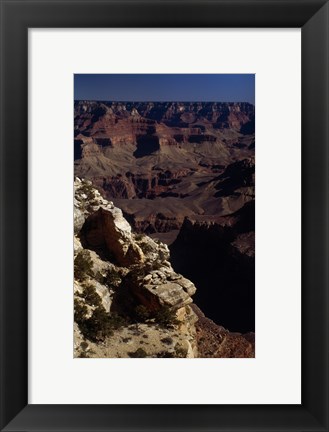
pixel 165 87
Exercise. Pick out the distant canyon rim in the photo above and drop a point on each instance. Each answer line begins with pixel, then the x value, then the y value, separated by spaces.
pixel 183 173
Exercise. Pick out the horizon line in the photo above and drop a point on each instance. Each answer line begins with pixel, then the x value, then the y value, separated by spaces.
pixel 160 101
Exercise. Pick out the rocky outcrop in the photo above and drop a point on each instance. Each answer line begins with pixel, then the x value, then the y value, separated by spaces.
pixel 107 230
pixel 215 341
pixel 237 176
pixel 125 288
pixel 148 185
pixel 129 302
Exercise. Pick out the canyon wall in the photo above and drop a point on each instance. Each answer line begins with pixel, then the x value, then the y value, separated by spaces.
pixel 182 174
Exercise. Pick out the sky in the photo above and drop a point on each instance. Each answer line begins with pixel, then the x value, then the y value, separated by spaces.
pixel 165 87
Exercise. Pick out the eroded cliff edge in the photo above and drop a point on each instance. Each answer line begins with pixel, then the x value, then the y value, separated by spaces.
pixel 129 302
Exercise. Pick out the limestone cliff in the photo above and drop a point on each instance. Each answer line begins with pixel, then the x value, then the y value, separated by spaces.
pixel 129 302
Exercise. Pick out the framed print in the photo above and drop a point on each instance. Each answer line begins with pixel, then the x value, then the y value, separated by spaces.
pixel 135 147
pixel 202 169
pixel 157 161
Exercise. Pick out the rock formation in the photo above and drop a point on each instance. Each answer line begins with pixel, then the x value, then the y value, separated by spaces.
pixel 215 341
pixel 183 175
pixel 129 302
pixel 128 299
pixel 166 154
pixel 225 247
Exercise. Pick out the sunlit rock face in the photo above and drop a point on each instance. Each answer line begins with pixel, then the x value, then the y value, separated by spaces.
pixel 129 302
pixel 126 281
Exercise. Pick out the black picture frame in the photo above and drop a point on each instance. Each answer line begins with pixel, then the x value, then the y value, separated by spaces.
pixel 19 15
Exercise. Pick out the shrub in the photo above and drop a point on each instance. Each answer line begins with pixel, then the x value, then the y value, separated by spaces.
pixel 180 352
pixel 90 295
pixel 142 313
pixel 167 340
pixel 118 321
pixel 96 327
pixel 83 265
pixel 139 353
pixel 100 277
pixel 112 279
pixel 80 311
pixel 83 354
pixel 90 201
pixel 88 191
pixel 165 354
pixel 166 317
pixel 135 330
pixel 100 324
pixel 86 354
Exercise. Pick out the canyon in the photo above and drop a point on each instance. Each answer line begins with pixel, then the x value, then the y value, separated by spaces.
pixel 184 175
